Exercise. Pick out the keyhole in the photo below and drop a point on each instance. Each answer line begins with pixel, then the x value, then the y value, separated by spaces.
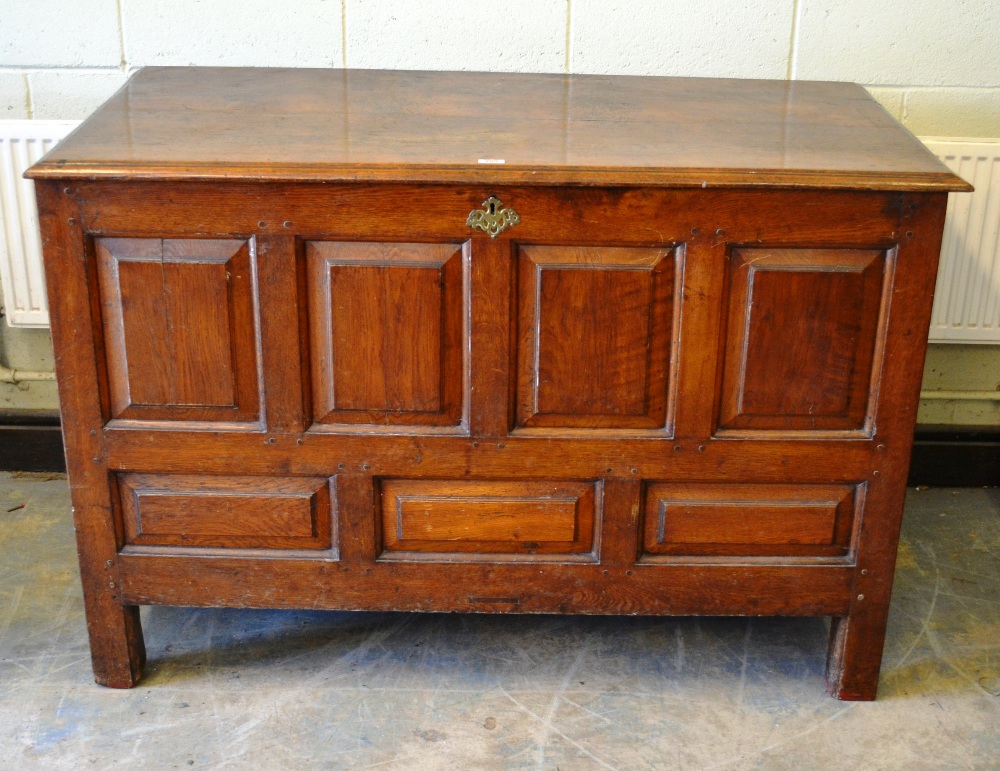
pixel 493 208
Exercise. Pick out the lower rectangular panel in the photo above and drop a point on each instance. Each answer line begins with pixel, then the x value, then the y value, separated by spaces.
pixel 813 590
pixel 463 518
pixel 769 520
pixel 236 512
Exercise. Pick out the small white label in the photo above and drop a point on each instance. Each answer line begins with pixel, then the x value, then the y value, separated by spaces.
pixel 492 160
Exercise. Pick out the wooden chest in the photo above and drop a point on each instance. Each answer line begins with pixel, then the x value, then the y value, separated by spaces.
pixel 491 343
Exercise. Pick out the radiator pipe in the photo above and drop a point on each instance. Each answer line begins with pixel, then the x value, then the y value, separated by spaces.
pixel 970 396
pixel 15 376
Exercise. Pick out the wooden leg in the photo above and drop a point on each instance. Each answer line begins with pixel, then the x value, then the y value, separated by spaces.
pixel 855 654
pixel 856 640
pixel 117 650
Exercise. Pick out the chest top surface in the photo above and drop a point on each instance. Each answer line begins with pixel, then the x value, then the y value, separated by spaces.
pixel 494 128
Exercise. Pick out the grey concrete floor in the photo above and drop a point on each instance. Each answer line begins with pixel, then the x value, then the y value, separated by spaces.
pixel 277 690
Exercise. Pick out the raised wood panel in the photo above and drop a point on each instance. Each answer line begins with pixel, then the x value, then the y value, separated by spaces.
pixel 386 329
pixel 180 334
pixel 488 517
pixel 237 512
pixel 595 331
pixel 803 332
pixel 751 520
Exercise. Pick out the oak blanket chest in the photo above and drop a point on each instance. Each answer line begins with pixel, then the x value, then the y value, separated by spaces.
pixel 489 342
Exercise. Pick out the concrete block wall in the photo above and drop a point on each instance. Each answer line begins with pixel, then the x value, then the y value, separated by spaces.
pixel 932 63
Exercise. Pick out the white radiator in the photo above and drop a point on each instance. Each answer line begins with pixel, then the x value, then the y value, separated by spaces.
pixel 967 299
pixel 22 142
pixel 966 306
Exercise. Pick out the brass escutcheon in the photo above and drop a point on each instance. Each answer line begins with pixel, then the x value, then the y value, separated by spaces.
pixel 493 218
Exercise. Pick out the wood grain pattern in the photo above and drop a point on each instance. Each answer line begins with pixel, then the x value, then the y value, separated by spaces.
pixel 386 331
pixel 233 512
pixel 360 529
pixel 371 125
pixel 492 338
pixel 285 359
pixel 594 337
pixel 559 216
pixel 752 520
pixel 488 517
pixel 802 334
pixel 180 328
pixel 534 587
pixel 451 457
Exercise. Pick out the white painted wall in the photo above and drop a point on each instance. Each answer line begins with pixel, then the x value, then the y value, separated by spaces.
pixel 933 63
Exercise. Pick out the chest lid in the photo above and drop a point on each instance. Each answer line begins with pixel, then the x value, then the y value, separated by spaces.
pixel 494 128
